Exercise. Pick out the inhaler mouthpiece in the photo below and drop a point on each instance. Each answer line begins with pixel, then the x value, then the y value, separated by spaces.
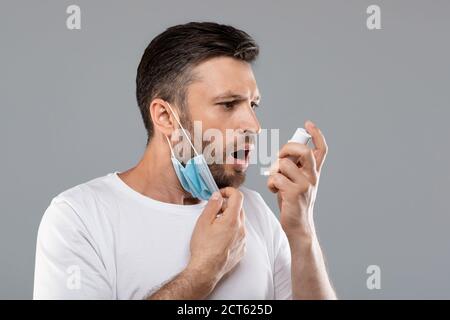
pixel 300 136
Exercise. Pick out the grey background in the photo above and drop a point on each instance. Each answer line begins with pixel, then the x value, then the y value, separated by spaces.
pixel 68 114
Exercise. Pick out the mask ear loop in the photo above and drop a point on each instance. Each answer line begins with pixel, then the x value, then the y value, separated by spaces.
pixel 184 132
pixel 170 147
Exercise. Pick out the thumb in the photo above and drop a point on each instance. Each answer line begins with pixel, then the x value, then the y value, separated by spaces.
pixel 212 207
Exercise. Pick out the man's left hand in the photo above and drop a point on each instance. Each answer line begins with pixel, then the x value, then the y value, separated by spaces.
pixel 296 182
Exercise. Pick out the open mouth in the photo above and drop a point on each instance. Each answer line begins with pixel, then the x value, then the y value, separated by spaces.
pixel 241 154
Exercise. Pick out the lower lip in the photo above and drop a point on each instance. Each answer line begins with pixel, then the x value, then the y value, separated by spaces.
pixel 240 164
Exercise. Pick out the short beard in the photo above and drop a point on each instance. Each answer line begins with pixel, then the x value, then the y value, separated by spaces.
pixel 225 179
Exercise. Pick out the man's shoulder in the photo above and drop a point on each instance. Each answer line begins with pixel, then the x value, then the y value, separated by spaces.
pixel 81 207
pixel 87 194
pixel 88 188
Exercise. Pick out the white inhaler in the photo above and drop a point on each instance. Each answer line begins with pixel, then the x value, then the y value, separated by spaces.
pixel 300 136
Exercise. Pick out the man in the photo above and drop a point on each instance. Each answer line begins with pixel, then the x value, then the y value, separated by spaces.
pixel 140 234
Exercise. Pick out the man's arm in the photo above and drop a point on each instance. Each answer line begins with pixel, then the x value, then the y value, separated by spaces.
pixel 309 275
pixel 296 186
pixel 190 284
pixel 67 264
pixel 217 245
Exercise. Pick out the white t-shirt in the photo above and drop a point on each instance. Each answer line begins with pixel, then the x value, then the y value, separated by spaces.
pixel 104 240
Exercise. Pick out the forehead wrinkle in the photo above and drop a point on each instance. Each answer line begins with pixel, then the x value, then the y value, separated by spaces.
pixel 197 77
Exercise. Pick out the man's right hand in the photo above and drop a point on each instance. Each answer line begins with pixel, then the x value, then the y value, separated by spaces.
pixel 217 245
pixel 218 239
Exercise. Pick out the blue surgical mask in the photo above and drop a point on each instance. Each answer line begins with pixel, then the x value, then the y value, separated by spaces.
pixel 195 177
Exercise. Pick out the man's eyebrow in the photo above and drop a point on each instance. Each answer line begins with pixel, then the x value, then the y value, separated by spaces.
pixel 234 96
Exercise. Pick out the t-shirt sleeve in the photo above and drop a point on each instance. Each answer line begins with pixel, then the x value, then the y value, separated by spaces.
pixel 68 264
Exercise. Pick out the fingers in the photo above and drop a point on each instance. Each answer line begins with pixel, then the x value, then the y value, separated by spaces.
pixel 278 182
pixel 321 147
pixel 213 206
pixel 234 202
pixel 301 152
pixel 293 173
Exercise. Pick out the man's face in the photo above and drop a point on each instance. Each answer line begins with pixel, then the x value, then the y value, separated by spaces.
pixel 223 98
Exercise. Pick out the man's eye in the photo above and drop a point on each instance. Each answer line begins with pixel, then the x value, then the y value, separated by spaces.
pixel 229 104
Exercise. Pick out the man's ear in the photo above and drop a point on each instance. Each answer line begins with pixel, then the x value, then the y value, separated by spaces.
pixel 163 120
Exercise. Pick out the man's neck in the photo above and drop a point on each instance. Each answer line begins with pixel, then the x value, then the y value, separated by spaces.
pixel 155 177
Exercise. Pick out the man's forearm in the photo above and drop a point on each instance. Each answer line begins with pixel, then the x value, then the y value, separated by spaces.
pixel 309 275
pixel 190 284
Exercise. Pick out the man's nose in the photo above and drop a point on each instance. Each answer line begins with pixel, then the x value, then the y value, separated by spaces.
pixel 249 121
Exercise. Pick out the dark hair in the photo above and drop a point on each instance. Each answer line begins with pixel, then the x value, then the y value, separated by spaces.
pixel 164 70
